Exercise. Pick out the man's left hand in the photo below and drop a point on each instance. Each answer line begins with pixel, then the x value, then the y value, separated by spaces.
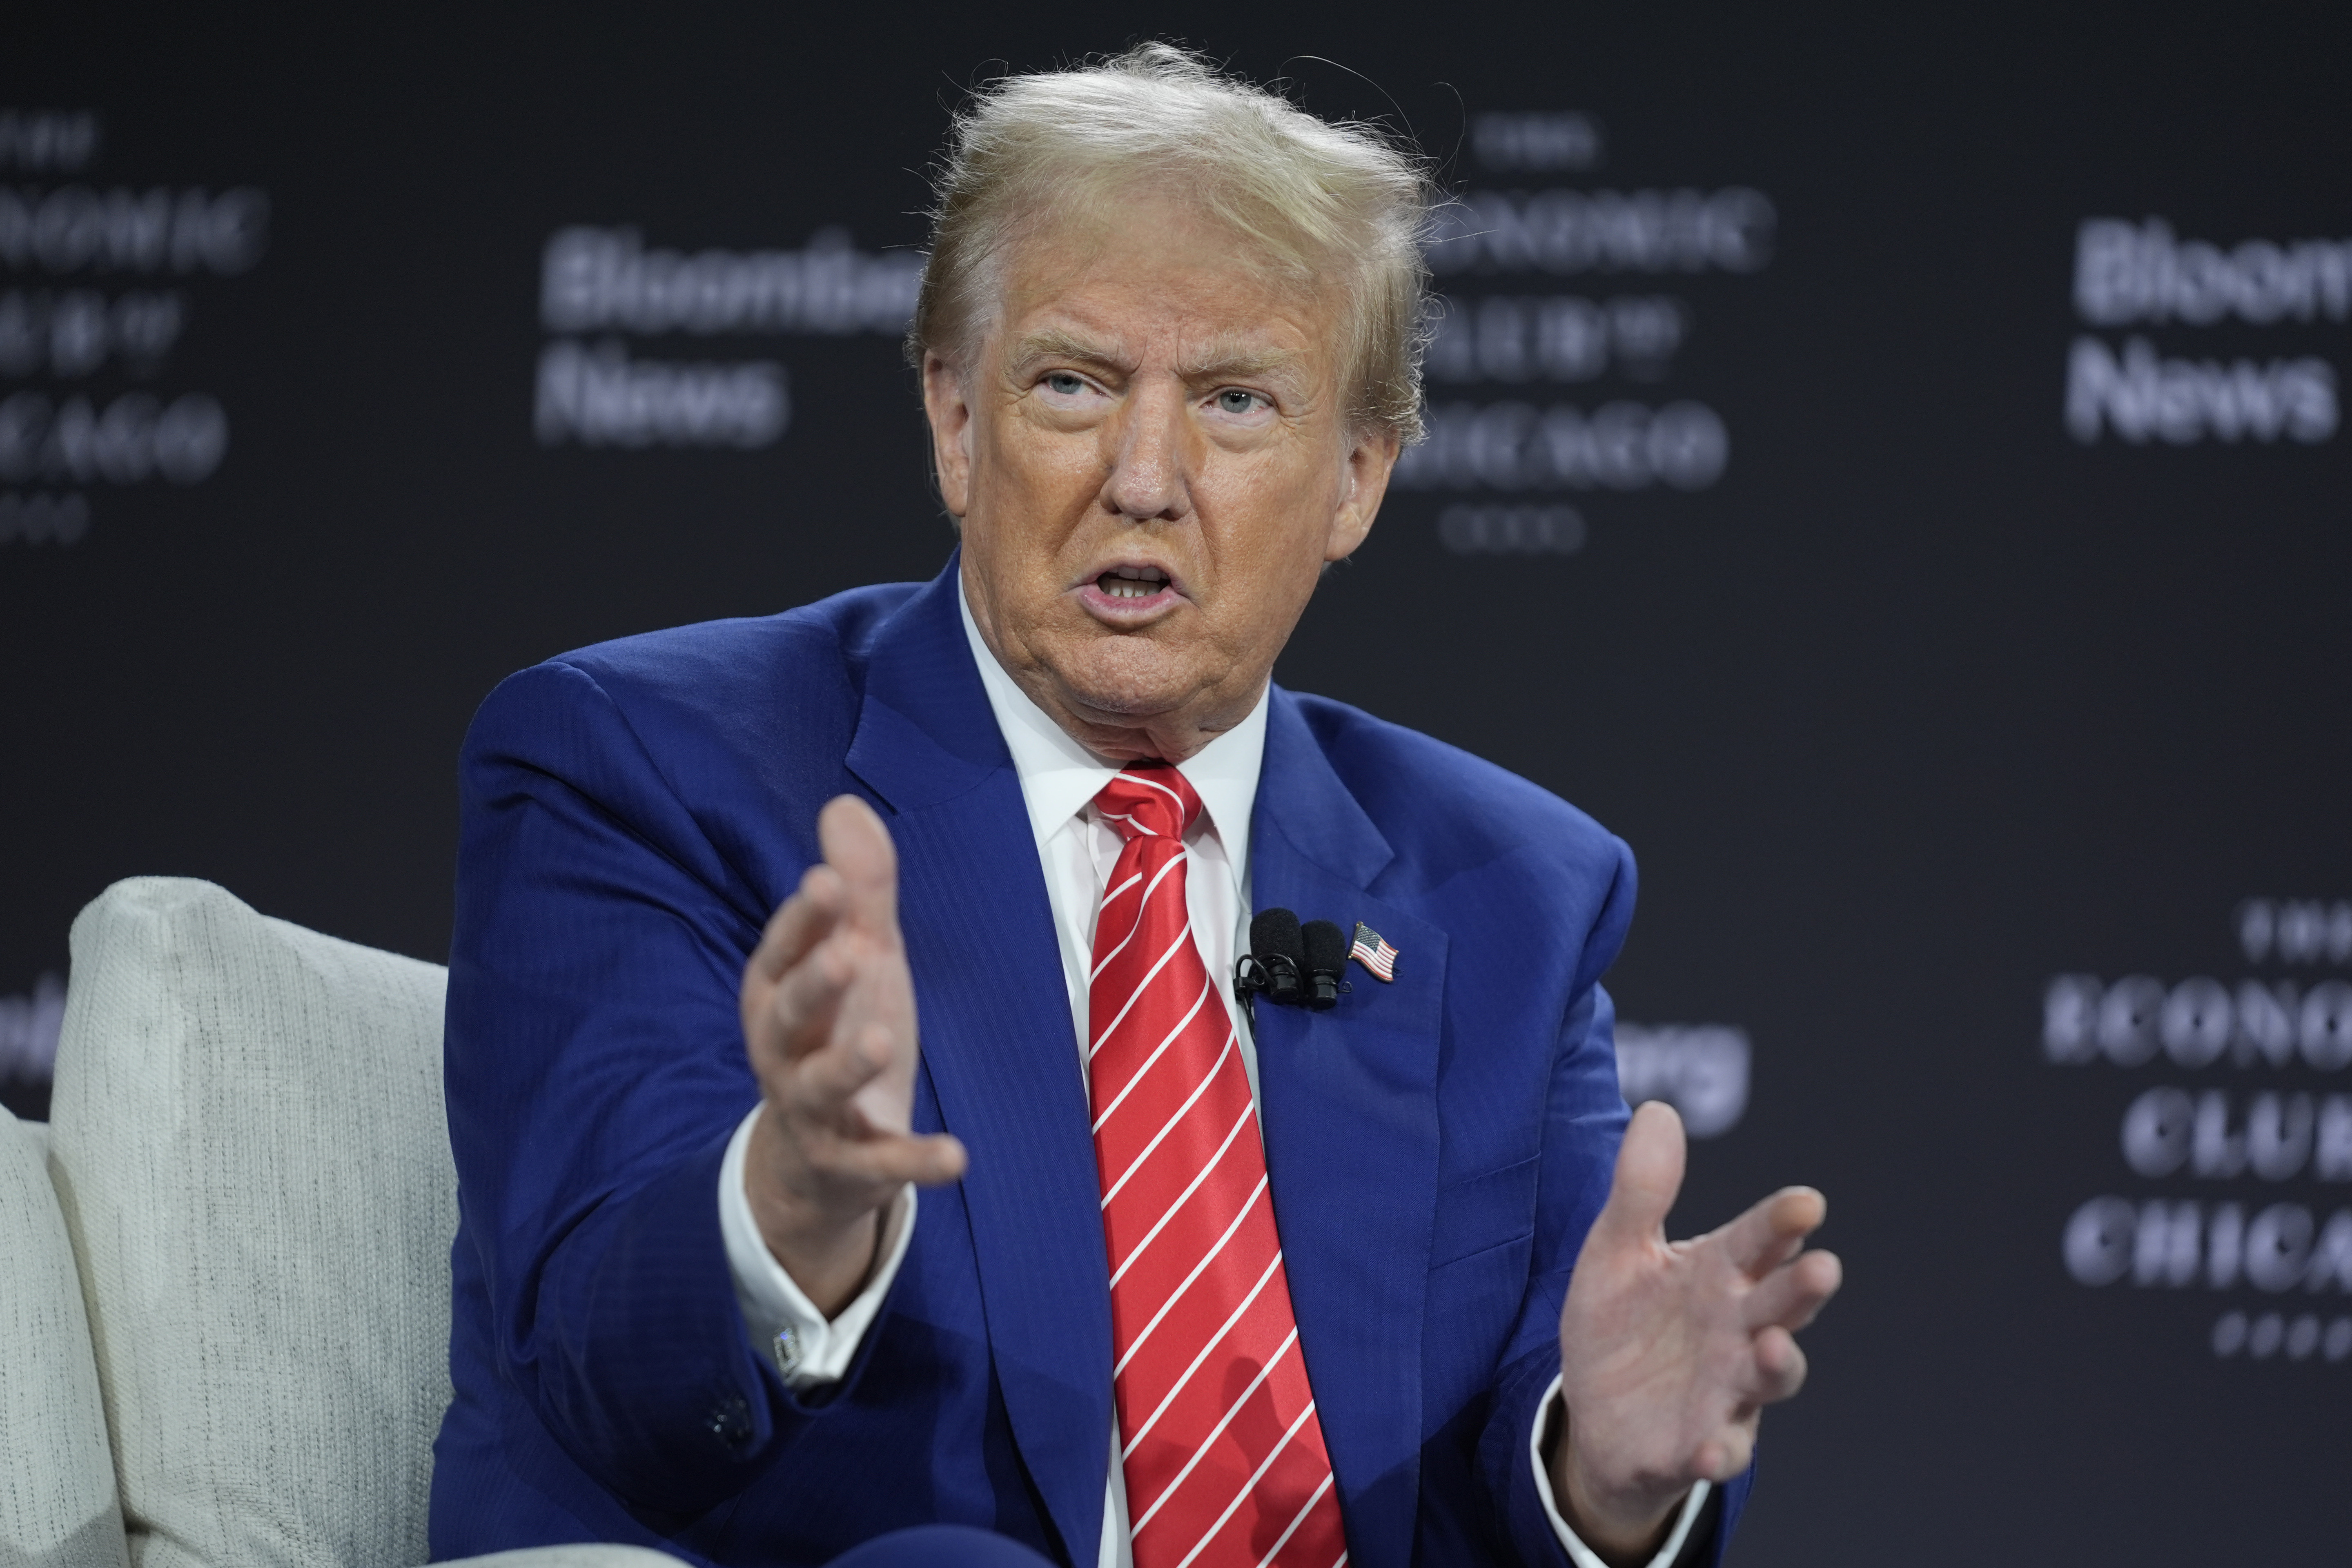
pixel 1669 1351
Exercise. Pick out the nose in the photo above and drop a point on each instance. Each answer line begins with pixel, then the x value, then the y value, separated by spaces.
pixel 1150 456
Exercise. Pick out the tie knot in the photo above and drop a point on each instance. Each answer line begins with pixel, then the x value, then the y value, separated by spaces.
pixel 1148 800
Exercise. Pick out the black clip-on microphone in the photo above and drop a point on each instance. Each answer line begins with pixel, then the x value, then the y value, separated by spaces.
pixel 1327 959
pixel 1275 964
pixel 1290 964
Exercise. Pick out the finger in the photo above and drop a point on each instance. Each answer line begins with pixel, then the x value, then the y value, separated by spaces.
pixel 1649 1177
pixel 885 1104
pixel 805 1001
pixel 799 923
pixel 1794 1293
pixel 1779 1366
pixel 1724 1455
pixel 820 1085
pixel 858 847
pixel 887 1101
pixel 1770 1234
pixel 892 1159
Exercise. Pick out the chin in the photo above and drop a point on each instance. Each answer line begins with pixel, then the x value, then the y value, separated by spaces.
pixel 1129 679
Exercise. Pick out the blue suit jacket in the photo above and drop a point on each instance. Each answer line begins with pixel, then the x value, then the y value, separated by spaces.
pixel 1437 1147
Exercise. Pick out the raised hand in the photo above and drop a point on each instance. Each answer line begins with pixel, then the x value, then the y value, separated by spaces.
pixel 829 1020
pixel 1669 1351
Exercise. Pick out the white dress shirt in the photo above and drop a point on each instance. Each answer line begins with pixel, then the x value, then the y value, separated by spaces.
pixel 1059 780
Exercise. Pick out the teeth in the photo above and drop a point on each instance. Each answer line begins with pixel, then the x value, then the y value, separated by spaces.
pixel 1132 581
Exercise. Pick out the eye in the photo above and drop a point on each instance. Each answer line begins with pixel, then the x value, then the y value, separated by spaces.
pixel 1234 400
pixel 1065 383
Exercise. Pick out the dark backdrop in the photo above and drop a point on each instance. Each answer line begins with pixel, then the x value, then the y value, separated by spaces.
pixel 1947 599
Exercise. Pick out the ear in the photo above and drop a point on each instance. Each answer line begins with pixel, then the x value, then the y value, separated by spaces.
pixel 1372 458
pixel 949 412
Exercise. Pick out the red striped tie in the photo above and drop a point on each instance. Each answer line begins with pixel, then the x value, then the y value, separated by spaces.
pixel 1223 1451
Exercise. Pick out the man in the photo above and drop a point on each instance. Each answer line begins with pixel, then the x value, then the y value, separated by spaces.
pixel 1374 1283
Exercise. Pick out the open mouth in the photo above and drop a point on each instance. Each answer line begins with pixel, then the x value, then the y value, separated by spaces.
pixel 1130 597
pixel 1132 581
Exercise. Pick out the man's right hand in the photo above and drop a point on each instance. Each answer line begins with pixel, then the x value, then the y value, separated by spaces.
pixel 829 1021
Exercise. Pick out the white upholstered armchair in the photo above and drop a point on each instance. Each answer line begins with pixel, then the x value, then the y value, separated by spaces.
pixel 225 1262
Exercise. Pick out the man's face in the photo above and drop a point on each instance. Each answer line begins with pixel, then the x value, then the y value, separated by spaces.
pixel 1149 457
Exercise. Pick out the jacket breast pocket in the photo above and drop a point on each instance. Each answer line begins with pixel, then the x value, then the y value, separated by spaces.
pixel 1491 1209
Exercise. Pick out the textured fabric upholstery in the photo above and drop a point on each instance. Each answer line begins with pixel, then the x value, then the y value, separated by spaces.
pixel 580 1555
pixel 248 1143
pixel 57 1482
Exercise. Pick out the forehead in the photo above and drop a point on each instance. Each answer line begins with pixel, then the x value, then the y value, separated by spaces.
pixel 1150 278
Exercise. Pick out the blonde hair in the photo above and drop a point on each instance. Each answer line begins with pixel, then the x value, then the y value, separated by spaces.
pixel 1318 200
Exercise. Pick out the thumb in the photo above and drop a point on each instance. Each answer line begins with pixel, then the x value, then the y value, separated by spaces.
pixel 858 847
pixel 1649 1177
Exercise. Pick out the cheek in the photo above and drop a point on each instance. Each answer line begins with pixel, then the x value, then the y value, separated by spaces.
pixel 1267 549
pixel 1274 514
pixel 1029 472
pixel 1032 490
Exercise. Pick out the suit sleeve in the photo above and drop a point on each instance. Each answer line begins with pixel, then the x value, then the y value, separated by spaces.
pixel 596 1070
pixel 1584 1117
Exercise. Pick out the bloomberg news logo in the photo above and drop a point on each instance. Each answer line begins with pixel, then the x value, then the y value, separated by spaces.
pixel 599 287
pixel 2237 1111
pixel 1555 332
pixel 2141 275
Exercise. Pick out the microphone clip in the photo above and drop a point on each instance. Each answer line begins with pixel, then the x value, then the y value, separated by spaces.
pixel 1272 975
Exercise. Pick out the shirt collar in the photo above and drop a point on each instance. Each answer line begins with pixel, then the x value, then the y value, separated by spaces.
pixel 1058 776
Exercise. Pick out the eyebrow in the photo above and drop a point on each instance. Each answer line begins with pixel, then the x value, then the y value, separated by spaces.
pixel 1052 342
pixel 1232 362
pixel 1218 361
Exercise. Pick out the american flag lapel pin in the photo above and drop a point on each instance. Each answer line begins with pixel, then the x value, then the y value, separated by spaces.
pixel 1372 951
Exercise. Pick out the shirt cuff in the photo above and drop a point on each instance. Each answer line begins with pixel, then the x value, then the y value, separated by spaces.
pixel 1578 1553
pixel 808 1349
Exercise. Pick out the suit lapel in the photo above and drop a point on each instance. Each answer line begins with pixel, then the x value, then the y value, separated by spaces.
pixel 1348 1105
pixel 997 1043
